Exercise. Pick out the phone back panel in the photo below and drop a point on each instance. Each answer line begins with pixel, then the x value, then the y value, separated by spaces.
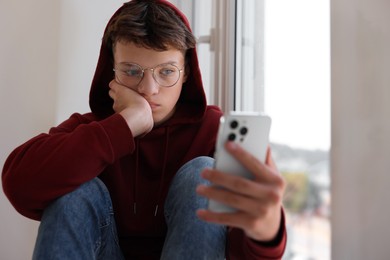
pixel 250 131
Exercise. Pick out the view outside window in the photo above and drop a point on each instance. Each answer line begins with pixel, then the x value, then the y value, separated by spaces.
pixel 283 61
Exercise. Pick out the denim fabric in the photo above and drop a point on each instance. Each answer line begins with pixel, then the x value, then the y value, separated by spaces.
pixel 81 225
pixel 189 237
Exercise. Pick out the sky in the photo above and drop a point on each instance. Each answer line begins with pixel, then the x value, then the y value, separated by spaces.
pixel 297 72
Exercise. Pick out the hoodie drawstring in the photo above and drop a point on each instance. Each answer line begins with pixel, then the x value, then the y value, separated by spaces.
pixel 135 177
pixel 162 178
pixel 161 185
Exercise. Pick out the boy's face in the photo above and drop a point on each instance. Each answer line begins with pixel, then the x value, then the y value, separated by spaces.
pixel 162 99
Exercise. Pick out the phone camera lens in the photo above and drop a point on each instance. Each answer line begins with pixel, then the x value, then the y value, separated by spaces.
pixel 234 124
pixel 232 137
pixel 244 130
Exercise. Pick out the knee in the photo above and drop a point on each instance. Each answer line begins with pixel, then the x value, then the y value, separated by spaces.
pixel 188 175
pixel 198 163
pixel 182 191
pixel 91 196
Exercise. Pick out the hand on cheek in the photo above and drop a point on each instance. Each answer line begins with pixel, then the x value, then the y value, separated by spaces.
pixel 133 107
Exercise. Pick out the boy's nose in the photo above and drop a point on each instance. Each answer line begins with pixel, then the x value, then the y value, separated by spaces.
pixel 148 86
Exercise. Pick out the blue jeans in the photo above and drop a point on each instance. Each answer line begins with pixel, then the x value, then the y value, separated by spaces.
pixel 81 224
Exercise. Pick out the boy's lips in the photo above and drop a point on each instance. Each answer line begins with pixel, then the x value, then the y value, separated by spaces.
pixel 153 105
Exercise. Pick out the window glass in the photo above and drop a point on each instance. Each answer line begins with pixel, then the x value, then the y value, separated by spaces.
pixel 297 96
pixel 202 26
pixel 283 69
pixel 249 56
pixel 200 15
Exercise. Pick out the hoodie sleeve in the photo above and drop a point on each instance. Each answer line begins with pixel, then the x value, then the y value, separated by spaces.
pixel 51 165
pixel 239 246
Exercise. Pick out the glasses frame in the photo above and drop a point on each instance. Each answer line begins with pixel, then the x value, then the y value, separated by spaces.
pixel 143 74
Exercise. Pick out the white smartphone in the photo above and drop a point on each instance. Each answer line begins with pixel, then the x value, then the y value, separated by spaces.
pixel 250 131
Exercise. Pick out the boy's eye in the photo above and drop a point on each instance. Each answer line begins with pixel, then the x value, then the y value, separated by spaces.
pixel 167 71
pixel 133 72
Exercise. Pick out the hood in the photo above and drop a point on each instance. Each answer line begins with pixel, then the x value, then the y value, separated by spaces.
pixel 192 101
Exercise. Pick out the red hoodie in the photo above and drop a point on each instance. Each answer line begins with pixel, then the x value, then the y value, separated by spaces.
pixel 137 171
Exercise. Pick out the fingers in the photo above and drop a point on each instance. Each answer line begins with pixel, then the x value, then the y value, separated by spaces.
pixel 122 96
pixel 236 219
pixel 258 200
pixel 112 91
pixel 262 228
pixel 262 172
pixel 266 188
pixel 245 195
pixel 252 196
pixel 269 160
pixel 237 185
pixel 116 87
pixel 250 205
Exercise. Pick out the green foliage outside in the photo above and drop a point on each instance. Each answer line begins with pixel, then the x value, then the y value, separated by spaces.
pixel 301 194
pixel 295 199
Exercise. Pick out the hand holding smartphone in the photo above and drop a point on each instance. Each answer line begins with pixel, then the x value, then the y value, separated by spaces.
pixel 250 131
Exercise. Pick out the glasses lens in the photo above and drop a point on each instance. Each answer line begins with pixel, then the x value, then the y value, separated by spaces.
pixel 166 75
pixel 129 74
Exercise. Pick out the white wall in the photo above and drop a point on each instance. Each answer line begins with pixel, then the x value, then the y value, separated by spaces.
pixel 360 151
pixel 28 77
pixel 48 53
pixel 81 29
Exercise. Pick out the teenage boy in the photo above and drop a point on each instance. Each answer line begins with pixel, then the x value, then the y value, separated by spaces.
pixel 129 180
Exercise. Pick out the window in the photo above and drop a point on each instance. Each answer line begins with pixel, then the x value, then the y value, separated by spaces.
pixel 273 56
pixel 297 96
pixel 249 94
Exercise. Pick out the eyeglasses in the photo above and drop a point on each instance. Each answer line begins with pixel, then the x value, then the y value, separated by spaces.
pixel 131 74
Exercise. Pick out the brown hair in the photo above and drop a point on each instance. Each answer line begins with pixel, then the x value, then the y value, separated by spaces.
pixel 149 24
